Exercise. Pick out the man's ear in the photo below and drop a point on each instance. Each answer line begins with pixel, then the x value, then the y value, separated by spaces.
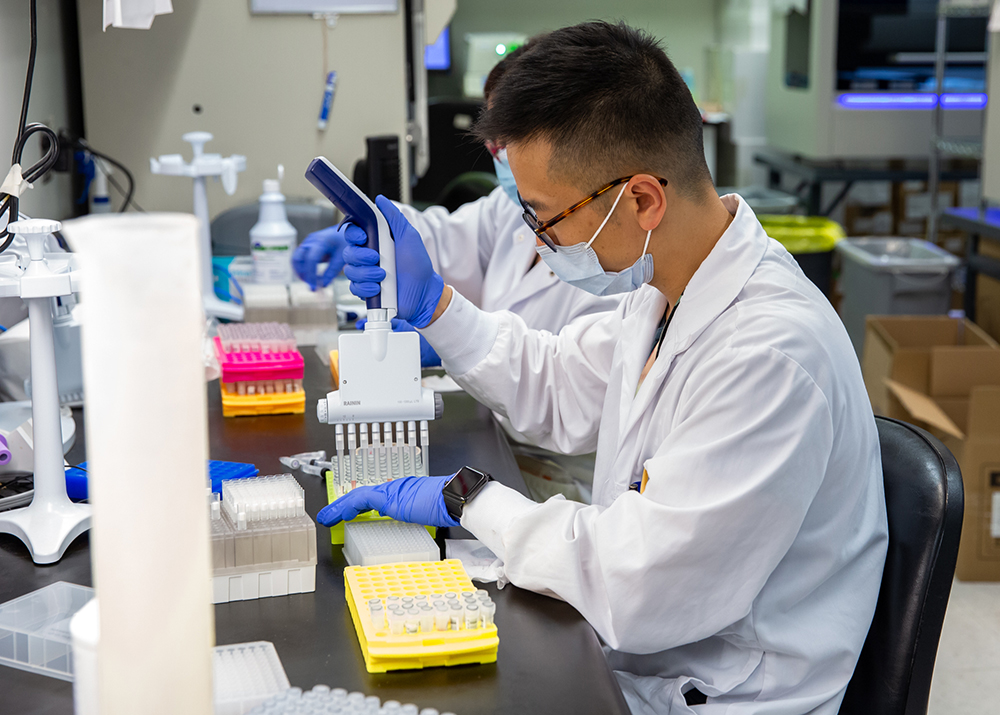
pixel 651 200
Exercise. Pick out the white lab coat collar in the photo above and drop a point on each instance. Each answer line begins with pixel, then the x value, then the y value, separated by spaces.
pixel 712 289
pixel 721 276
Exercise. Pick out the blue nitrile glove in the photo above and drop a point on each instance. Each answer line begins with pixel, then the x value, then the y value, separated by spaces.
pixel 428 357
pixel 417 500
pixel 418 286
pixel 318 247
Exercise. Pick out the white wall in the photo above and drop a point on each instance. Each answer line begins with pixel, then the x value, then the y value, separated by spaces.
pixel 686 27
pixel 51 196
pixel 259 81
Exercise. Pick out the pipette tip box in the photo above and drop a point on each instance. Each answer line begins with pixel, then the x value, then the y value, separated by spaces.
pixel 34 629
pixel 246 675
pixel 385 650
pixel 263 542
pixel 387 542
pixel 218 472
pixel 323 699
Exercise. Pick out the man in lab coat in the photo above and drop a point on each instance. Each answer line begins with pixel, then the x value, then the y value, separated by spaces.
pixel 733 554
pixel 484 250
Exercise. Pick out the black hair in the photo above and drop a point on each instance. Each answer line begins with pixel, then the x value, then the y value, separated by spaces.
pixel 501 67
pixel 610 102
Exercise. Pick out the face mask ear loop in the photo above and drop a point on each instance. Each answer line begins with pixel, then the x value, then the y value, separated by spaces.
pixel 608 217
pixel 646 245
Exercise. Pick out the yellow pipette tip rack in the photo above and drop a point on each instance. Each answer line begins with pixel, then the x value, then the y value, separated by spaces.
pixel 385 651
pixel 337 530
pixel 286 403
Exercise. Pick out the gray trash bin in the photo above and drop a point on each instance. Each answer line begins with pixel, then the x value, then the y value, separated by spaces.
pixel 892 276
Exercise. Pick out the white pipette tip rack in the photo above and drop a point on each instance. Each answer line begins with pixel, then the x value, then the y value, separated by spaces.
pixel 245 675
pixel 263 542
pixel 322 700
pixel 387 542
pixel 262 499
pixel 257 338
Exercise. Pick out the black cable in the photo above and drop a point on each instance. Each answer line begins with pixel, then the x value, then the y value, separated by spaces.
pixel 9 203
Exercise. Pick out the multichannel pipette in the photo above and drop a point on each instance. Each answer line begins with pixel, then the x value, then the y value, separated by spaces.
pixel 379 400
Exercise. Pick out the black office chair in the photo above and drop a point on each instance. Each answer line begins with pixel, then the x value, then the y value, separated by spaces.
pixel 924 500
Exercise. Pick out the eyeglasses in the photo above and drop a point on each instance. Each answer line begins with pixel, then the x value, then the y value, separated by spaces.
pixel 540 228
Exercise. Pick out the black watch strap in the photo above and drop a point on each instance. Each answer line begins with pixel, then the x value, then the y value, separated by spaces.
pixel 463 488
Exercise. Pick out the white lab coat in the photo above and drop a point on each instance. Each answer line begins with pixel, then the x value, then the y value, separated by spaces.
pixel 484 250
pixel 750 566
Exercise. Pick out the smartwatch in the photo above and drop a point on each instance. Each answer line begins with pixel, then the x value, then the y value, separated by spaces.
pixel 463 488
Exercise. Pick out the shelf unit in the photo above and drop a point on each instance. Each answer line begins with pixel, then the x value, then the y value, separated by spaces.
pixel 942 146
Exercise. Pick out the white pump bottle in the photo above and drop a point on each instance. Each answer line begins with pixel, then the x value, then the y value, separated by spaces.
pixel 273 238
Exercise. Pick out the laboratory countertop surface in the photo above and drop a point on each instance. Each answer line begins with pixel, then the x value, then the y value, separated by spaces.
pixel 549 660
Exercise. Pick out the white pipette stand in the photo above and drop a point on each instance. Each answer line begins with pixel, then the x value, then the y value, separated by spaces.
pixel 50 523
pixel 201 167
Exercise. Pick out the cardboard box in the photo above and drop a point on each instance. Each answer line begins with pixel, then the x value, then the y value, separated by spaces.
pixel 988 293
pixel 868 221
pixel 905 348
pixel 912 206
pixel 967 419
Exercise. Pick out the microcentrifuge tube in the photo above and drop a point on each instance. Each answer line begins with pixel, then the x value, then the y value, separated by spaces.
pixel 472 617
pixel 489 609
pixel 429 711
pixel 409 709
pixel 480 592
pixel 397 621
pixel 393 601
pixel 392 707
pixel 378 617
pixel 407 602
pixel 426 618
pixel 450 595
pixel 455 617
pixel 441 617
pixel 412 620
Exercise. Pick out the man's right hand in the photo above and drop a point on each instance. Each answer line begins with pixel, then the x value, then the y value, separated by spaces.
pixel 322 246
pixel 418 286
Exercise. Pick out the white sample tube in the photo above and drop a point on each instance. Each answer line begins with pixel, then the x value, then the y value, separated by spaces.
pixel 488 609
pixel 152 601
pixel 352 451
pixel 426 618
pixel 441 617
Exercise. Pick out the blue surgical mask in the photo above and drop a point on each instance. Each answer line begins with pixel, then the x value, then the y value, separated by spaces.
pixel 579 265
pixel 505 177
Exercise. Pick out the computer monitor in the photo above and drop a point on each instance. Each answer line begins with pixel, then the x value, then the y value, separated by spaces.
pixel 437 56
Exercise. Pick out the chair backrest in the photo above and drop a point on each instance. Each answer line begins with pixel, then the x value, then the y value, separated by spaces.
pixel 453 150
pixel 924 502
pixel 231 228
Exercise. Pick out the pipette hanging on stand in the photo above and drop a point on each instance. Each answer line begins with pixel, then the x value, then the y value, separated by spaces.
pixel 379 398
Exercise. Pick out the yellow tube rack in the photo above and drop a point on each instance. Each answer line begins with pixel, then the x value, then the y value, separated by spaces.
pixel 384 651
pixel 279 403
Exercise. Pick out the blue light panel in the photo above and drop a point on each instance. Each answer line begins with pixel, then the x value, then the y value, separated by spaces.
pixel 964 100
pixel 911 100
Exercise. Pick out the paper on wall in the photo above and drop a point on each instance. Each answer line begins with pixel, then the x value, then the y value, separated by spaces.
pixel 134 14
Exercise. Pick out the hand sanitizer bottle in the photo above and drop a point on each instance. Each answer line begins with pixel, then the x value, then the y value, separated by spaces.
pixel 273 238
